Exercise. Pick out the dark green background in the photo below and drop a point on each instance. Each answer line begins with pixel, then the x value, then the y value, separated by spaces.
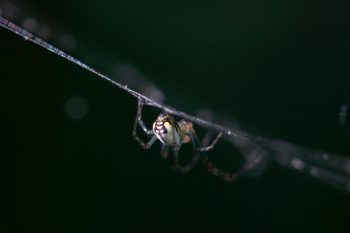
pixel 279 68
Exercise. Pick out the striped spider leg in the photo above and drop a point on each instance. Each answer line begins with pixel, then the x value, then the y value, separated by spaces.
pixel 138 121
pixel 227 176
pixel 171 134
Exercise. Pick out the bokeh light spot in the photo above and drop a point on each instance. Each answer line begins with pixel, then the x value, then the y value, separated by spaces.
pixel 76 107
pixel 30 24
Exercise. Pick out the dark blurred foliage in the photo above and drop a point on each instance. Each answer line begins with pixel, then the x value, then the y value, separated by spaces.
pixel 276 67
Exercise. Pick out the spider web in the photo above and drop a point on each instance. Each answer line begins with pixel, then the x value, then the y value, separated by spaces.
pixel 331 168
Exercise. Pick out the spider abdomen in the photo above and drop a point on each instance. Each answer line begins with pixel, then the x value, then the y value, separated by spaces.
pixel 167 131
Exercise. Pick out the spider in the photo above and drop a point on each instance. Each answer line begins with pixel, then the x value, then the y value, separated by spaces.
pixel 172 134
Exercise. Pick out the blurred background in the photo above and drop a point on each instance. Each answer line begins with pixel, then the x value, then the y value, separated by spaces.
pixel 69 164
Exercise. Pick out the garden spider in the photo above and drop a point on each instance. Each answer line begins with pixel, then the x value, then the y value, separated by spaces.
pixel 172 133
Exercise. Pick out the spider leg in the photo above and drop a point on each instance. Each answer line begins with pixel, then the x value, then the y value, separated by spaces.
pixel 211 146
pixel 148 144
pixel 139 118
pixel 188 166
pixel 175 165
pixel 227 176
pixel 139 121
pixel 175 147
pixel 164 151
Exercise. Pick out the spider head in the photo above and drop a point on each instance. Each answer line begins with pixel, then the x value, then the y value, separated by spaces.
pixel 164 117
